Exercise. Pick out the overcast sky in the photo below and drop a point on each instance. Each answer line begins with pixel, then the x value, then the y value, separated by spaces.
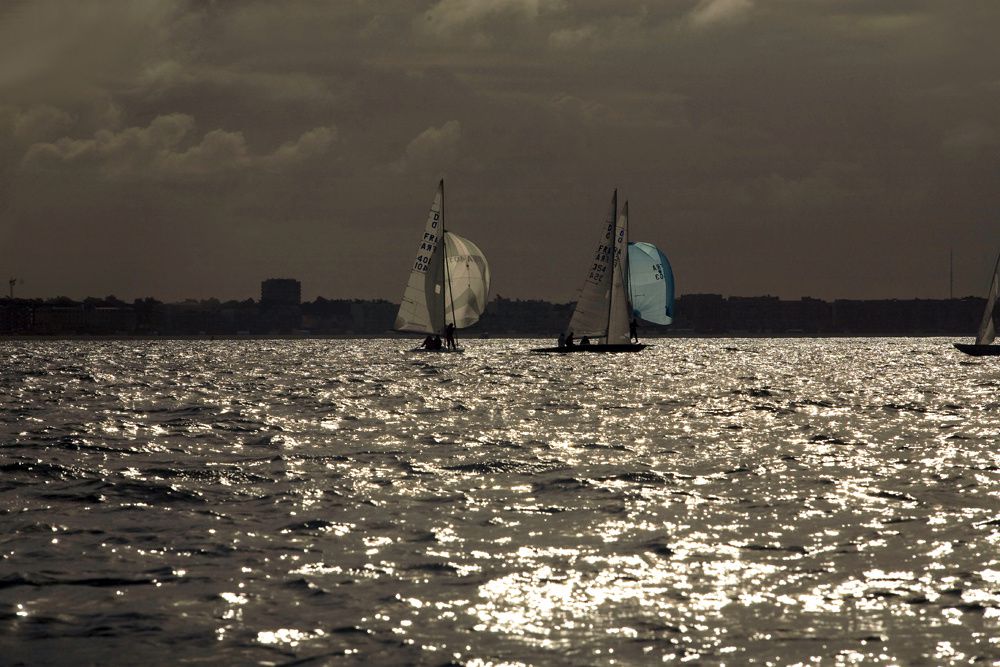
pixel 832 148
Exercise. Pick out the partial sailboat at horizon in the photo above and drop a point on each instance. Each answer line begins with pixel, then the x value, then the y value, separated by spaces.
pixel 987 333
pixel 448 284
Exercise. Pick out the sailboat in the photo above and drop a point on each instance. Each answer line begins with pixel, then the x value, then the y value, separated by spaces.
pixel 987 329
pixel 603 309
pixel 448 284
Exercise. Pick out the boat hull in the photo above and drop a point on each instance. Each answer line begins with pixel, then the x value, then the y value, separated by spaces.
pixel 443 350
pixel 978 350
pixel 621 347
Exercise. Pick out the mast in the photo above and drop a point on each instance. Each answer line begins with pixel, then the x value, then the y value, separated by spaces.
pixel 614 242
pixel 444 254
pixel 625 274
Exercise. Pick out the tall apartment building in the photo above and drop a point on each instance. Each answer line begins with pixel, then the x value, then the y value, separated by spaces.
pixel 280 292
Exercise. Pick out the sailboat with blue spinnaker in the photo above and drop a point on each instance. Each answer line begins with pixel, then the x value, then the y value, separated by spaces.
pixel 625 281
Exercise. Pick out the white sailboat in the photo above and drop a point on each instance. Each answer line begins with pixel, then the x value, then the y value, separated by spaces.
pixel 448 284
pixel 603 310
pixel 987 328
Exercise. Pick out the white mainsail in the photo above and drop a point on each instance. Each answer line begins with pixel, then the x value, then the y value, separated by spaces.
pixel 422 307
pixel 592 307
pixel 987 329
pixel 467 281
pixel 620 310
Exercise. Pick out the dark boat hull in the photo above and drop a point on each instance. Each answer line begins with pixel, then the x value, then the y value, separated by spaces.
pixel 622 347
pixel 443 350
pixel 978 350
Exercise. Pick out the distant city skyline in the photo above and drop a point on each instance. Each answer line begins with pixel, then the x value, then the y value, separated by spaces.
pixel 181 149
pixel 279 311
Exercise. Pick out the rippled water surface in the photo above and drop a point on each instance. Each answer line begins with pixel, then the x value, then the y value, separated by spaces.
pixel 273 502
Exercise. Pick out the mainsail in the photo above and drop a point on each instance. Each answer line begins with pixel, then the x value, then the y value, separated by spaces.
pixel 618 313
pixel 467 281
pixel 449 281
pixel 987 329
pixel 593 306
pixel 651 283
pixel 422 307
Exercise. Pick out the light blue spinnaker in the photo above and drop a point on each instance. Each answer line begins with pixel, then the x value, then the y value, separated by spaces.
pixel 651 283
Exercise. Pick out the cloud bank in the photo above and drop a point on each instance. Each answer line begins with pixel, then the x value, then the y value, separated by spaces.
pixel 163 150
pixel 758 142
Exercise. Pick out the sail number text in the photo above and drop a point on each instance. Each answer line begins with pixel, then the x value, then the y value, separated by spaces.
pixel 427 247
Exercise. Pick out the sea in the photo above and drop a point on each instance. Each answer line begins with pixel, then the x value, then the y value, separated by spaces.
pixel 326 502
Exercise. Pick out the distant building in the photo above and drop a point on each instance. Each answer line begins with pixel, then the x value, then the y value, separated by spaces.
pixel 704 313
pixel 280 292
pixel 16 316
pixel 60 319
pixel 280 305
pixel 348 316
pixel 753 314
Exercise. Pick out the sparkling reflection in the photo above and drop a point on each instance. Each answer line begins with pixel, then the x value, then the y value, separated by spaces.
pixel 739 501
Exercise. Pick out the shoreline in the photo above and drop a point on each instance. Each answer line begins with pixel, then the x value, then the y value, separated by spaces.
pixel 383 336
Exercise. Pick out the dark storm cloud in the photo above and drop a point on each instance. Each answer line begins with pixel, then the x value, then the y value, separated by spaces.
pixel 824 147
